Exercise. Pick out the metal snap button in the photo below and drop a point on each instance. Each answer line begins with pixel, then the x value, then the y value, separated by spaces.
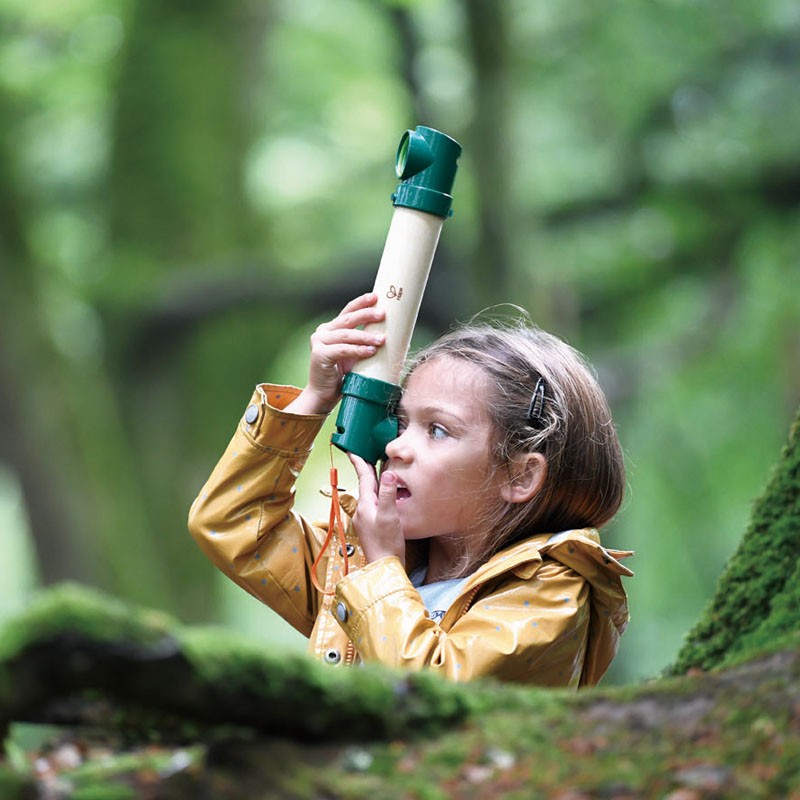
pixel 332 656
pixel 349 549
pixel 342 613
pixel 251 414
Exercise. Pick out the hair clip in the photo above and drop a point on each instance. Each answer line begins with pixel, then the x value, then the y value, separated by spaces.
pixel 536 406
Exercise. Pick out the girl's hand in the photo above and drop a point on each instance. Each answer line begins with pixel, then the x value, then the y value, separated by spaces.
pixel 336 347
pixel 376 520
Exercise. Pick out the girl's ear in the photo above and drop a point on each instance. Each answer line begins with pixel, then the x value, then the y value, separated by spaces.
pixel 526 477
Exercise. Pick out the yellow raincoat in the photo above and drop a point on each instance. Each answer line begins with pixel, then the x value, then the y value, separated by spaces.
pixel 548 610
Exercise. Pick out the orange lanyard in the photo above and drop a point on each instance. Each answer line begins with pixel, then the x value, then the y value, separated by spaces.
pixel 334 526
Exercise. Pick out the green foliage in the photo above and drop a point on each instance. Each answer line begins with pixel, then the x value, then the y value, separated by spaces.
pixel 77 608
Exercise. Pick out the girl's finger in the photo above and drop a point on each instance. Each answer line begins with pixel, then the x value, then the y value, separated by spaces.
pixel 353 319
pixel 334 354
pixel 387 494
pixel 367 477
pixel 360 311
pixel 333 336
pixel 363 301
pixel 359 307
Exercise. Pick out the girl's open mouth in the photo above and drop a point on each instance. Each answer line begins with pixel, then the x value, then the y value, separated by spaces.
pixel 403 493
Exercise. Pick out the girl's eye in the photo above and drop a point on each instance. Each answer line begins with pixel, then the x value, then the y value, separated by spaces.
pixel 437 432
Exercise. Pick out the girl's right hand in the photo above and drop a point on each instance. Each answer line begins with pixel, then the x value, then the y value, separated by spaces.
pixel 376 519
pixel 336 347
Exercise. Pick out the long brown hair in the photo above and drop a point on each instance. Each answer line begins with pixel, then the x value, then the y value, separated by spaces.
pixel 568 422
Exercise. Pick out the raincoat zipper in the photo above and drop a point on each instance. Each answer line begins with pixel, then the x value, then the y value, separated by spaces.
pixel 470 598
pixel 350 653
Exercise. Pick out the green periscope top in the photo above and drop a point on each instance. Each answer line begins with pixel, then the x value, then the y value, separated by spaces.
pixel 426 164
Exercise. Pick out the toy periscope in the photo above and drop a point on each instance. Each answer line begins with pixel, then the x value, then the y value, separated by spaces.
pixel 426 164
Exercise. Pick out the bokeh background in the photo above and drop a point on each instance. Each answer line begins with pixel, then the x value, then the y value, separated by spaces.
pixel 187 187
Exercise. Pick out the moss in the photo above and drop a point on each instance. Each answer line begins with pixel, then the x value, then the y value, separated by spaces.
pixel 758 591
pixel 16 786
pixel 142 659
pixel 700 733
pixel 782 623
pixel 104 791
pixel 374 701
pixel 72 607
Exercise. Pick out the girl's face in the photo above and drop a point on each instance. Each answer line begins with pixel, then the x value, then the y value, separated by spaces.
pixel 442 457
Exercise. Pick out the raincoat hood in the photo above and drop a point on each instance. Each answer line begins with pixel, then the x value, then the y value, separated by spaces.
pixel 581 551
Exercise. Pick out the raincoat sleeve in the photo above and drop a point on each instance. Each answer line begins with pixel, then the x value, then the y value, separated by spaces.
pixel 511 631
pixel 243 519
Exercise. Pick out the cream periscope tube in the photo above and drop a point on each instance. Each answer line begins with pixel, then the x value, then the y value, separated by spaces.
pixel 426 165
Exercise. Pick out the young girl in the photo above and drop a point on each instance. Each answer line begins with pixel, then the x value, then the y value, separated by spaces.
pixel 474 552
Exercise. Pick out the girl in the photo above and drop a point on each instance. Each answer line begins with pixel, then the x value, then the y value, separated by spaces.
pixel 475 552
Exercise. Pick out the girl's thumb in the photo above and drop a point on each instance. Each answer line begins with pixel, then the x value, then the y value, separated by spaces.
pixel 387 492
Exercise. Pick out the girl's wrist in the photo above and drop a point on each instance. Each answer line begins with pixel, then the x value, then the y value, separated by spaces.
pixel 310 402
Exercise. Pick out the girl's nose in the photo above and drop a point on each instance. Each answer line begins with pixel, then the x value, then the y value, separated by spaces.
pixel 398 449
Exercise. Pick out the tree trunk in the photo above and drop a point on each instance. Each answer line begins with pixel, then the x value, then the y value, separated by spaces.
pixel 182 129
pixel 489 45
pixel 43 457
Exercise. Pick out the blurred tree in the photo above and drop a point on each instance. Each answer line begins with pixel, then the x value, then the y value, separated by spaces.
pixel 61 433
pixel 29 385
pixel 487 26
pixel 184 120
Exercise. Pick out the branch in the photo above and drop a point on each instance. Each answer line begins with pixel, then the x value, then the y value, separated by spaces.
pixel 189 303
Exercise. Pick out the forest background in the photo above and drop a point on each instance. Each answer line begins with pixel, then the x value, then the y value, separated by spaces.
pixel 188 187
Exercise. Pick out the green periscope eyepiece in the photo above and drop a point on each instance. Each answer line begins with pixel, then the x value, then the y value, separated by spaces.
pixel 426 164
pixel 366 421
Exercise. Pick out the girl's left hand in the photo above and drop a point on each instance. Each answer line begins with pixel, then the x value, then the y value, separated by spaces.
pixel 376 520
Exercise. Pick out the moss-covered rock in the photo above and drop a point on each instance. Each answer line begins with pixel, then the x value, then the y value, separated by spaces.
pixel 758 594
pixel 73 639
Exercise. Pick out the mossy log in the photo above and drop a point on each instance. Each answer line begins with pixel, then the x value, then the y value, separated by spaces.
pixel 74 640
